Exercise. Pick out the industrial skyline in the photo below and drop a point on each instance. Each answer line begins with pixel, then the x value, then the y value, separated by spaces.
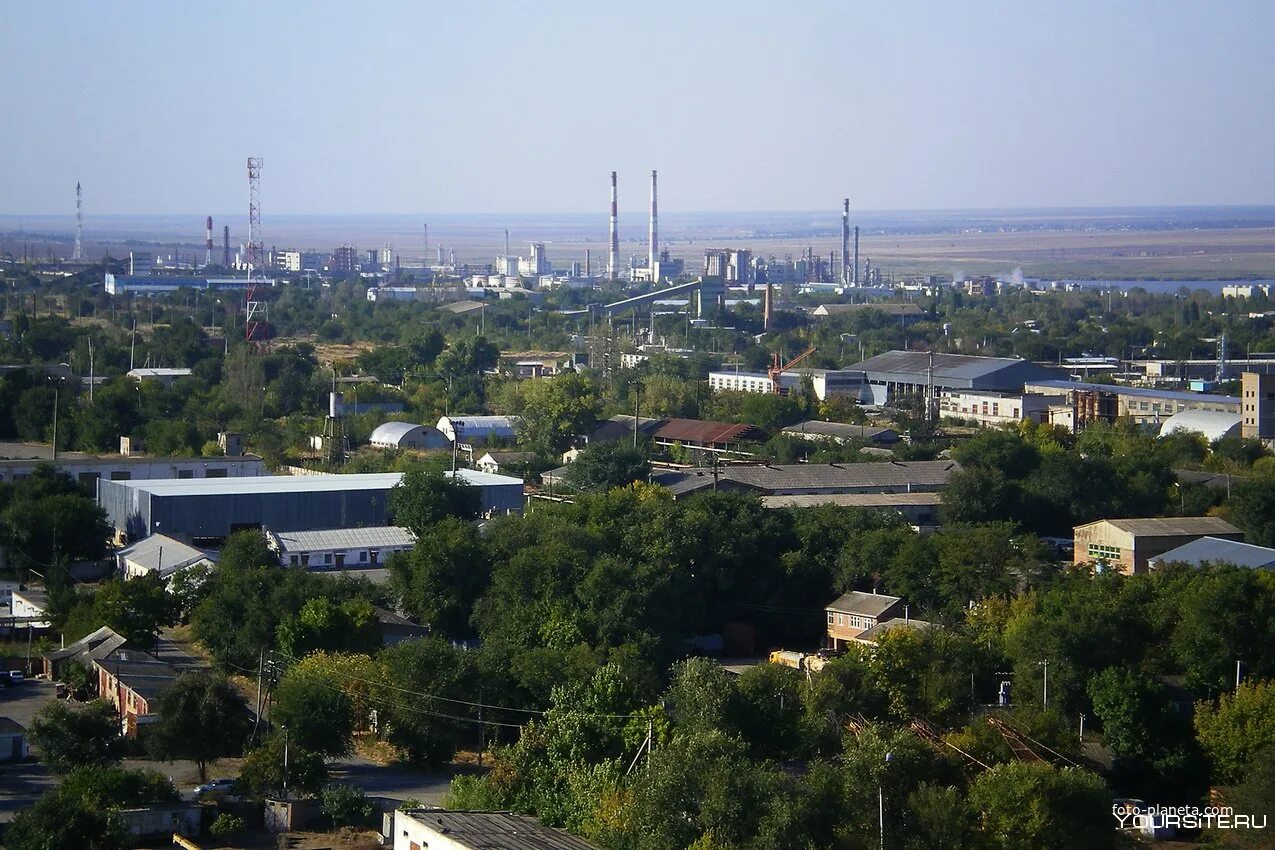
pixel 1106 105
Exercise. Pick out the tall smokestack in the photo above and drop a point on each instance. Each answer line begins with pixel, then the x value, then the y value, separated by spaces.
pixel 855 279
pixel 653 246
pixel 613 258
pixel 77 253
pixel 225 245
pixel 845 242
pixel 766 309
pixel 588 257
pixel 208 243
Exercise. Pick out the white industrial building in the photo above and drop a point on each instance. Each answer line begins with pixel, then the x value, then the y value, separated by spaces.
pixel 160 375
pixel 1213 424
pixel 86 470
pixel 989 408
pixel 441 829
pixel 340 548
pixel 405 435
pixel 824 382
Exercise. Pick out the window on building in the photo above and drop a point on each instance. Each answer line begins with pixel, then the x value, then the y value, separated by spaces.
pixel 831 619
pixel 217 473
pixel 121 475
pixel 185 473
pixel 294 560
pixel 327 557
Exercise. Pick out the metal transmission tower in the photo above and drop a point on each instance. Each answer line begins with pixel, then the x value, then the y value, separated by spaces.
pixel 78 252
pixel 254 310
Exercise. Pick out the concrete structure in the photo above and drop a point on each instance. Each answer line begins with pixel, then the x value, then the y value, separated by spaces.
pixel 161 820
pixel 88 469
pixel 405 435
pixel 852 614
pixel 536 364
pixel 133 682
pixel 340 548
pixel 30 607
pixel 1127 545
pixel 1257 394
pixel 992 408
pixel 476 430
pixel 117 284
pixel 13 740
pixel 140 263
pixel 441 829
pixel 159 375
pixel 209 510
pixel 917 508
pixel 160 554
pixel 841 433
pixel 896 375
pixel 1217 550
pixel 1210 423
pixel 1143 405
pixel 922 476
pixel 613 255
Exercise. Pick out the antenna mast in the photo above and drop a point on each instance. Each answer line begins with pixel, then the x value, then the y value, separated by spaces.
pixel 78 252
pixel 252 307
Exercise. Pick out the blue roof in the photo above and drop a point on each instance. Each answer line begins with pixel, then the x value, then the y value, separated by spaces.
pixel 1216 550
pixel 1144 392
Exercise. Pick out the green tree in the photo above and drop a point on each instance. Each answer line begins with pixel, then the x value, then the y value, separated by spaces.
pixel 553 411
pixel 1033 804
pixel 425 495
pixel 137 608
pixel 1237 729
pixel 262 770
pixel 345 805
pixel 72 737
pixel 602 466
pixel 59 821
pixel 1252 507
pixel 443 575
pixel 316 713
pixel 429 675
pixel 324 625
pixel 202 717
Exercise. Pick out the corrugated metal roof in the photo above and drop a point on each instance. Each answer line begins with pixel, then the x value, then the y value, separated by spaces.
pixel 495 830
pixel 1173 526
pixel 858 602
pixel 163 553
pixel 796 476
pixel 854 500
pixel 701 431
pixel 874 633
pixel 1218 550
pixel 946 366
pixel 343 538
pixel 390 433
pixel 819 428
pixel 889 308
pixel 298 483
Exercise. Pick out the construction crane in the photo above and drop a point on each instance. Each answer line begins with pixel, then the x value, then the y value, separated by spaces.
pixel 776 368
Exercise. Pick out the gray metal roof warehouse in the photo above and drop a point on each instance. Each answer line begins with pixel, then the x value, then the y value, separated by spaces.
pixel 904 371
pixel 211 508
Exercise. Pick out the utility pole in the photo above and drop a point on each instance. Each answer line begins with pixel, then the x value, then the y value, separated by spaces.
pixel 1045 700
pixel 55 420
pixel 1237 674
pixel 261 666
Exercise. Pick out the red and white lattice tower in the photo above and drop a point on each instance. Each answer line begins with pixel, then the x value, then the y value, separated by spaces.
pixel 254 310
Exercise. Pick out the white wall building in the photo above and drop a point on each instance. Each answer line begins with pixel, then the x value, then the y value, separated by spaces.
pixel 161 554
pixel 992 408
pixel 440 829
pixel 340 548
pixel 30 603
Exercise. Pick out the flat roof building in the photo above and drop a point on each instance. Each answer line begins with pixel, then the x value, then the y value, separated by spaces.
pixel 838 432
pixel 212 509
pixel 1127 545
pixel 1143 405
pixel 1258 415
pixel 86 470
pixel 150 284
pixel 795 479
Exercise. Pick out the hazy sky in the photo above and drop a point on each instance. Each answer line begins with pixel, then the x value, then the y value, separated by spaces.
pixel 420 107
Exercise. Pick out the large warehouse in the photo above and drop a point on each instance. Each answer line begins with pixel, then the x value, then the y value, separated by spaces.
pixel 405 435
pixel 208 509
pixel 895 374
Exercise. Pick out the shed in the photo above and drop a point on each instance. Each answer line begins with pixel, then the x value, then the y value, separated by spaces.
pixel 405 435
pixel 1213 424
pixel 473 430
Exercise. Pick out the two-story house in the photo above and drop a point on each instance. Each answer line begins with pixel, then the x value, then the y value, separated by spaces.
pixel 853 613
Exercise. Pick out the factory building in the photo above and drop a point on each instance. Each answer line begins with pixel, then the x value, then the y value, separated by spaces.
pixel 824 382
pixel 208 510
pixel 1143 405
pixel 892 376
pixel 340 548
pixel 87 470
pixel 1128 545
pixel 730 265
pixel 153 284
pixel 989 409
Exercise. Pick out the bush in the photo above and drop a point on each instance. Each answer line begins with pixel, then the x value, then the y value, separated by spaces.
pixel 345 805
pixel 226 824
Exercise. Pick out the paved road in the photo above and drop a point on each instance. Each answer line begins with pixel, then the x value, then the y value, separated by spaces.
pixel 397 782
pixel 22 784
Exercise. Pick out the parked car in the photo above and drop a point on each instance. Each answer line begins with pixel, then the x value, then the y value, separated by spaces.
pixel 16 677
pixel 214 789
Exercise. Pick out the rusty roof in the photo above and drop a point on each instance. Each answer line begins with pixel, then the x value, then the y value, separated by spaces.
pixel 701 431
